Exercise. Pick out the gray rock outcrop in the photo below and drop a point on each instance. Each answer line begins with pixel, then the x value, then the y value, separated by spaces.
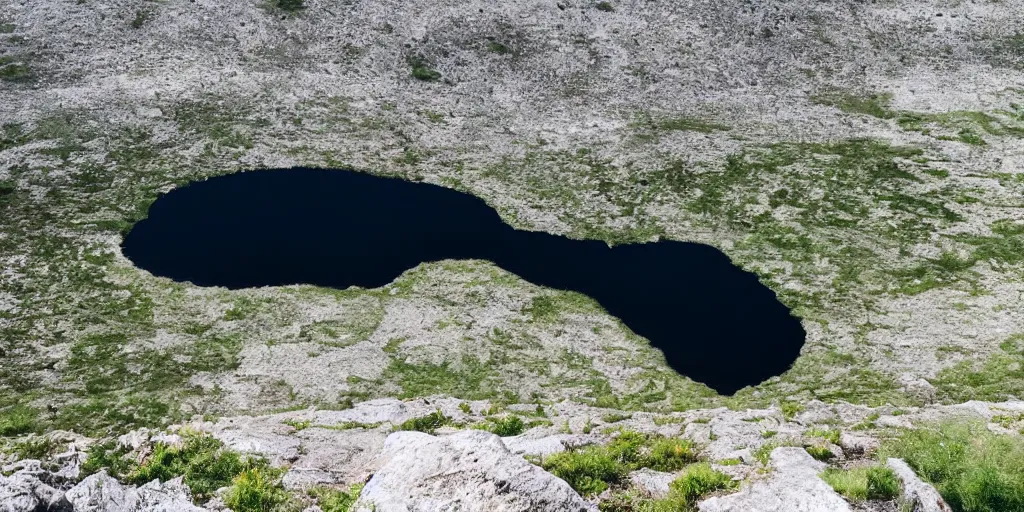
pixel 919 495
pixel 102 493
pixel 794 486
pixel 471 470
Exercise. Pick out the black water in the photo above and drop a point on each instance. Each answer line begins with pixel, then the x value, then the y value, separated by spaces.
pixel 715 322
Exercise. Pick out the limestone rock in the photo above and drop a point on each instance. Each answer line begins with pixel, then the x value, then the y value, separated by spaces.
pixel 855 444
pixel 921 496
pixel 794 486
pixel 101 493
pixel 654 484
pixel 471 470
pixel 25 492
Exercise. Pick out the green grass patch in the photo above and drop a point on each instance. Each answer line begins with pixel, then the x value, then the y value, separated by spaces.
pixel 997 378
pixel 17 420
pixel 335 500
pixel 256 490
pixel 592 469
pixel 821 453
pixel 471 379
pixel 421 69
pixel 974 469
pixel 203 462
pixel 427 424
pixel 875 105
pixel 506 427
pixel 290 5
pixel 863 483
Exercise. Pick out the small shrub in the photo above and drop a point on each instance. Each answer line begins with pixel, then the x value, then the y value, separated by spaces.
pixel 821 453
pixel 427 424
pixel 974 469
pixel 505 427
pixel 256 490
pixel 334 500
pixel 605 7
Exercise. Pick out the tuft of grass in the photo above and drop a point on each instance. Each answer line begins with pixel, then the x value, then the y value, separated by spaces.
pixel 830 435
pixel 605 7
pixel 421 69
pixel 698 481
pixel 615 417
pixel 290 5
pixel 670 454
pixel 821 453
pixel 506 427
pixel 334 500
pixel 863 483
pixel 427 424
pixel 973 469
pixel 256 490
pixel 791 409
pixel 498 47
pixel 589 471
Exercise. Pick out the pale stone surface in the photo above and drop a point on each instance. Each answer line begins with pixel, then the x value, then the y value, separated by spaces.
pixel 101 493
pixel 471 470
pixel 921 496
pixel 793 486
pixel 654 484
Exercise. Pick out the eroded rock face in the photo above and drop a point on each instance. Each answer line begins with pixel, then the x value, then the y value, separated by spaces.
pixel 794 486
pixel 102 493
pixel 470 470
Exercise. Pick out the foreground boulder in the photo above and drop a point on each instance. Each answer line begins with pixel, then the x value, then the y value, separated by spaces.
pixel 101 493
pixel 919 495
pixel 467 471
pixel 794 486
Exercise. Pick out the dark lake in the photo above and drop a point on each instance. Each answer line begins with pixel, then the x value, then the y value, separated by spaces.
pixel 715 322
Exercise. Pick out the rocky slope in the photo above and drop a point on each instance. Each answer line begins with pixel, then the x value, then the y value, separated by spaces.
pixel 460 466
pixel 863 158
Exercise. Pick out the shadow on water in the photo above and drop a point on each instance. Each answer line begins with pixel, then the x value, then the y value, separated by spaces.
pixel 715 323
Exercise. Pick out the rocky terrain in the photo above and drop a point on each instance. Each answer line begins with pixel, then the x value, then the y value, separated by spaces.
pixel 863 158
